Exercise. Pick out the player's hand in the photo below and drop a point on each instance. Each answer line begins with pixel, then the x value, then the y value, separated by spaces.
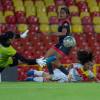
pixel 41 61
pixel 25 34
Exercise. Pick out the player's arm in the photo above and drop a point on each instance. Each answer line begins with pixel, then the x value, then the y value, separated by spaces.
pixel 65 29
pixel 17 57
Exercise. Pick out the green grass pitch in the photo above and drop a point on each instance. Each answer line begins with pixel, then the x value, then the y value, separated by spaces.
pixel 49 91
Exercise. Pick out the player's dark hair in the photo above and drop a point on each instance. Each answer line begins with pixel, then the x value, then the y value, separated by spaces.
pixel 66 10
pixel 84 56
pixel 6 37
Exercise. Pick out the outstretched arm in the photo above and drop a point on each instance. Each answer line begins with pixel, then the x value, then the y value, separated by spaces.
pixel 17 57
pixel 41 61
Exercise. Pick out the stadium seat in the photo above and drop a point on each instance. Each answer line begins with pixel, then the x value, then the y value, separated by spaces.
pixel 53 20
pixel 77 29
pixel 28 3
pixel 52 14
pixel 22 27
pixel 33 28
pixel 32 20
pixel 10 19
pixel 49 3
pixel 94 9
pixel 19 14
pixel 2 28
pixel 86 20
pixel 51 8
pixel 30 11
pixel 21 20
pixel 82 5
pixel 96 20
pixel 97 28
pixel 79 1
pixel 76 20
pixel 69 2
pixel 11 27
pixel 59 2
pixel 44 28
pixel 2 19
pixel 74 10
pixel 88 28
pixel 53 28
pixel 8 13
pixel 83 14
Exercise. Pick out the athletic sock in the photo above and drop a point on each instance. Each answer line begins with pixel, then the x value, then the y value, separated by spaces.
pixel 50 69
pixel 51 59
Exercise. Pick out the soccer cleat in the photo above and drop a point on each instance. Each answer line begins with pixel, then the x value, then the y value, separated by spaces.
pixel 41 62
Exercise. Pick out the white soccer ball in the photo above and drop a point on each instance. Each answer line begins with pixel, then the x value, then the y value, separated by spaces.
pixel 69 41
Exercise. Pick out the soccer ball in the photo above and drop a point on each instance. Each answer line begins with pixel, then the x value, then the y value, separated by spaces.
pixel 69 41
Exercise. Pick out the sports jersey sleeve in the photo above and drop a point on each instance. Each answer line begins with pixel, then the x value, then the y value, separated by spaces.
pixel 11 51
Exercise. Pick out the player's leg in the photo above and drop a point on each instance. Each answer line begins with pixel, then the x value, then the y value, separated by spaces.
pixel 35 72
pixel 59 65
pixel 60 76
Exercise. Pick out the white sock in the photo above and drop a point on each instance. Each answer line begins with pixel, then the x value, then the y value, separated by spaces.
pixel 38 73
pixel 0 77
pixel 38 79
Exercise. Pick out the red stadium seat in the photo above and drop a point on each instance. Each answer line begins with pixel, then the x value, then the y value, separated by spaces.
pixel 95 14
pixel 59 2
pixel 11 27
pixel 69 2
pixel 51 8
pixel 34 28
pixel 82 6
pixel 19 14
pixel 21 20
pixel 2 28
pixel 11 19
pixel 88 28
pixel 53 20
pixel 32 20
pixel 86 20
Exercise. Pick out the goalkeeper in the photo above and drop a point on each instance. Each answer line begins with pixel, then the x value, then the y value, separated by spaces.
pixel 9 56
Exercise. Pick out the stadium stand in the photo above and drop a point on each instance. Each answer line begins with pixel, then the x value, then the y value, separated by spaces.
pixel 40 17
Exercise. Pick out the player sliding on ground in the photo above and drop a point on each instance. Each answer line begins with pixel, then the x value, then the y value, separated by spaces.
pixel 9 56
pixel 77 72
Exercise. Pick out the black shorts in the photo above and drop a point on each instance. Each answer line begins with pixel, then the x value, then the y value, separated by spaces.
pixel 61 49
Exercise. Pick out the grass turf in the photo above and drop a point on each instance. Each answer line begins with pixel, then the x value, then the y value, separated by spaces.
pixel 49 91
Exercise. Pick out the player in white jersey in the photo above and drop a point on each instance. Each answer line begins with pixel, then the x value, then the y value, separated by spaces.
pixel 77 71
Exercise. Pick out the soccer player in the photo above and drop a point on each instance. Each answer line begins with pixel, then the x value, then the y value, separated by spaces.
pixel 9 56
pixel 82 71
pixel 78 72
pixel 65 44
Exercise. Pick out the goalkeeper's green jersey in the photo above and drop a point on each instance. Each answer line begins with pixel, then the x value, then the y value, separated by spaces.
pixel 6 54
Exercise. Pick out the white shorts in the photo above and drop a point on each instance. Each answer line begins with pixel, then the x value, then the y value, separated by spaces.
pixel 60 76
